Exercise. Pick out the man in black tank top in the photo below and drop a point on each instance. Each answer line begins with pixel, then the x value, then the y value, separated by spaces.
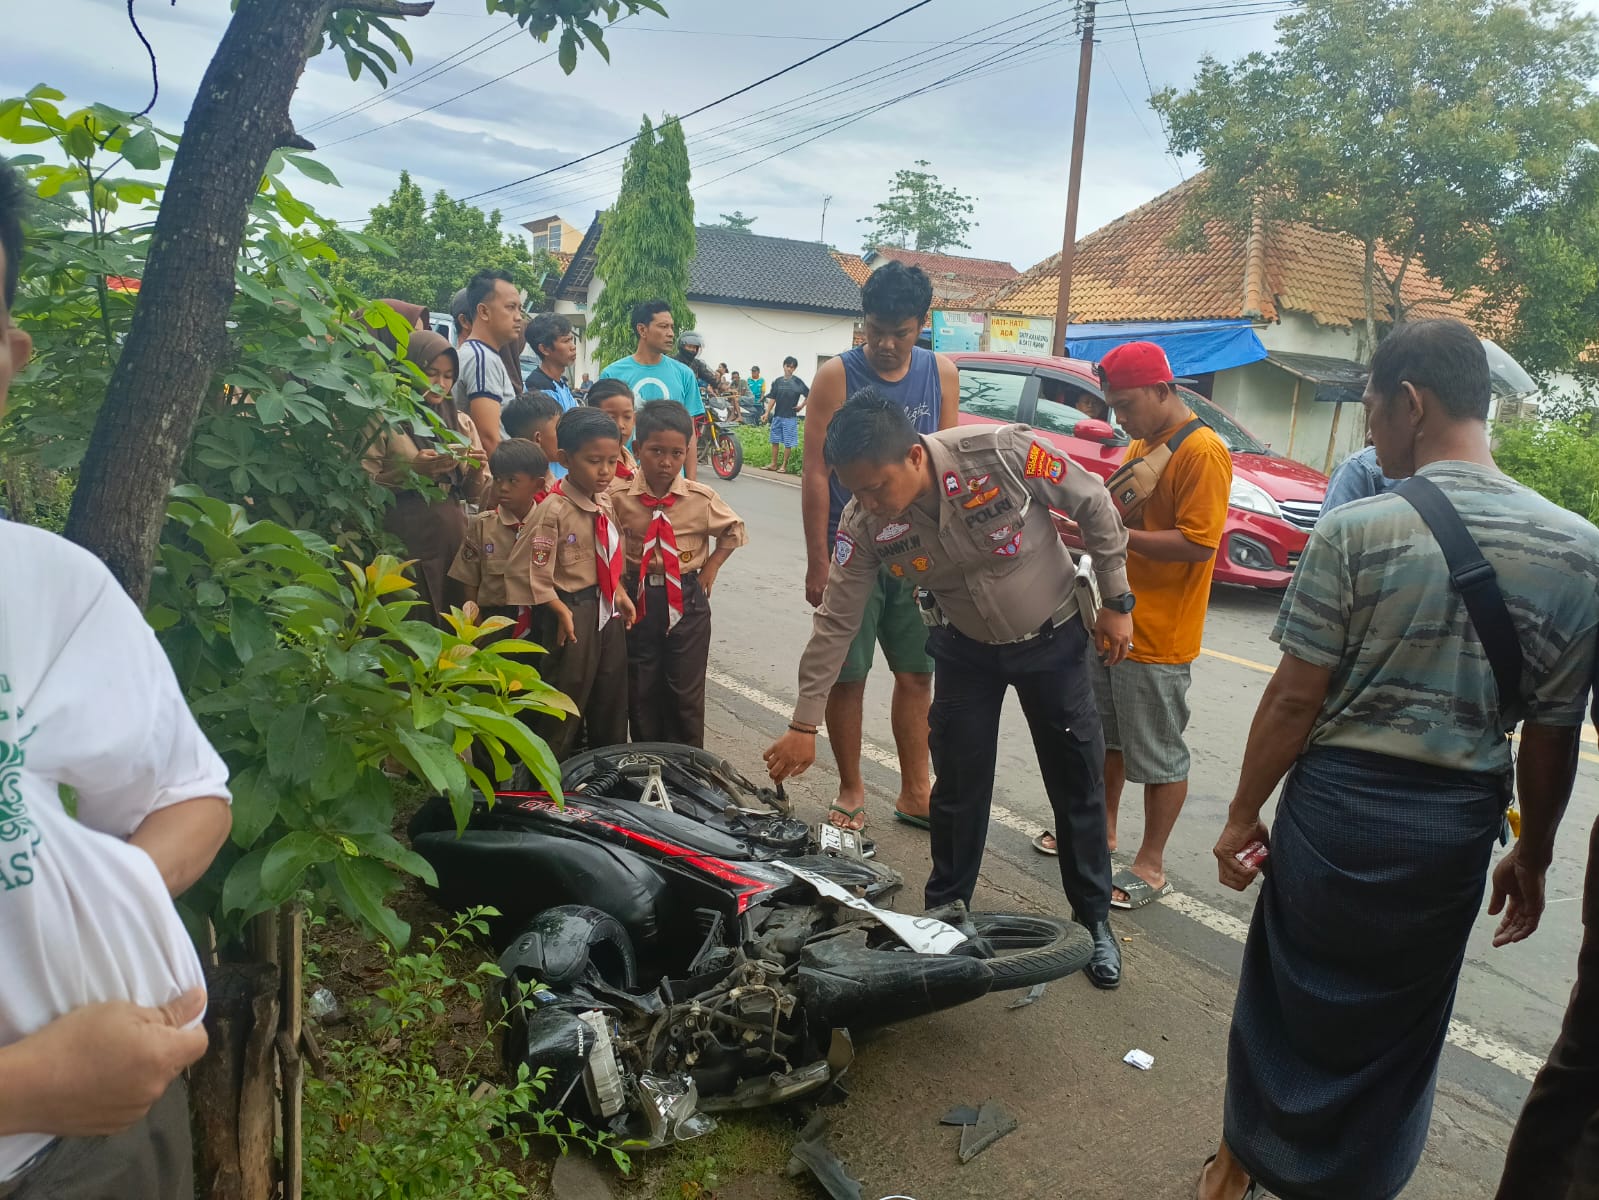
pixel 896 301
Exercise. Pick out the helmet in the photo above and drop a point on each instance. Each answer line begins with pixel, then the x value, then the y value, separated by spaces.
pixel 692 341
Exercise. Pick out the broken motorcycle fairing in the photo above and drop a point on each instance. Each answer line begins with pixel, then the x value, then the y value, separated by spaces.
pixel 683 952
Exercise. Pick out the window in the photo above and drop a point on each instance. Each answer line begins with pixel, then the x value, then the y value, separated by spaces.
pixel 1058 410
pixel 995 395
pixel 541 242
pixel 1237 438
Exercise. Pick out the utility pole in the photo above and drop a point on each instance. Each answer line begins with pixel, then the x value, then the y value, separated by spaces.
pixel 826 200
pixel 1068 246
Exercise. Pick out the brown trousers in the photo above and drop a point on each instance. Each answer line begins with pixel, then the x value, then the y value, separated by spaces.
pixel 154 1160
pixel 1554 1152
pixel 666 674
pixel 592 671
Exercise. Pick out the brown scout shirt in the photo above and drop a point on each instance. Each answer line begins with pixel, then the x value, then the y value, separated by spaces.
pixel 982 542
pixel 495 558
pixel 561 543
pixel 697 515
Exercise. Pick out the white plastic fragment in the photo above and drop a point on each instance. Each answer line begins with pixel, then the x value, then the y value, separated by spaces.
pixel 1141 1059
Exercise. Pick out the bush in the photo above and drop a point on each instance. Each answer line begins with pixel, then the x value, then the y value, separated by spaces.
pixel 757 443
pixel 1557 459
pixel 387 1120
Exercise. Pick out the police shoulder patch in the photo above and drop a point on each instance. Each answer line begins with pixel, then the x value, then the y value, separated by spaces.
pixel 843 549
pixel 1041 464
pixel 952 484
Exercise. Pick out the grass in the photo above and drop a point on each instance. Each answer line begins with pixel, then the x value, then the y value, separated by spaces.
pixel 757 443
pixel 742 1145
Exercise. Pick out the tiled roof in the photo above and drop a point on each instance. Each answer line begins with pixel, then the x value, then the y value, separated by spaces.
pixel 579 271
pixel 1129 270
pixel 854 266
pixel 769 272
pixel 563 260
pixel 958 281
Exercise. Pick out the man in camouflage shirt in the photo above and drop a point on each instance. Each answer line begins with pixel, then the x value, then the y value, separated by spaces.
pixel 1385 716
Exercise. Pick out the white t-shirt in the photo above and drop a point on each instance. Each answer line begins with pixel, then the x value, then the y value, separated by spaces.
pixel 87 699
pixel 483 373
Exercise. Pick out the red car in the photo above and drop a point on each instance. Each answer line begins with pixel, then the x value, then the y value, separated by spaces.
pixel 1275 501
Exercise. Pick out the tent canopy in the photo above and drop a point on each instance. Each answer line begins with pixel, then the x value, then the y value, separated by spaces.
pixel 1192 347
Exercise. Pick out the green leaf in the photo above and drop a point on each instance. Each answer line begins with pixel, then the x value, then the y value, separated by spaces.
pixel 426 711
pixel 364 886
pixel 284 867
pixel 531 750
pixel 385 846
pixel 142 151
pixel 312 169
pixel 45 92
pixel 434 759
pixel 295 742
pixel 255 806
pixel 568 51
pixel 241 891
pixel 423 640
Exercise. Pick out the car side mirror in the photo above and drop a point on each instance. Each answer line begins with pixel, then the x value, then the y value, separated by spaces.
pixel 1091 430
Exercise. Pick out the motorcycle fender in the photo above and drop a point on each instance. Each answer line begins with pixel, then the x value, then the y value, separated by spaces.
pixel 850 986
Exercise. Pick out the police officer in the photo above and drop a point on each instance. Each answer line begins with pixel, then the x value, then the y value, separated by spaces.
pixel 964 515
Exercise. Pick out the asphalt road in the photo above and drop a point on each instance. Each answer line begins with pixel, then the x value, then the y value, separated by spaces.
pixel 1510 1000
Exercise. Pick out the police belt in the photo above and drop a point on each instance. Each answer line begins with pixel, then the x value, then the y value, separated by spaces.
pixel 1066 612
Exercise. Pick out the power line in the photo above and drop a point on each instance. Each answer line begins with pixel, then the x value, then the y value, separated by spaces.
pixel 721 100
pixel 1166 133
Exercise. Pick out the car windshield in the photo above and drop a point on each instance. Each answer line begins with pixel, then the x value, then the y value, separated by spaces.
pixel 1238 440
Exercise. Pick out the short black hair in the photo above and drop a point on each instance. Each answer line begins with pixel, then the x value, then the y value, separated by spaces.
pixel 518 456
pixel 868 428
pixel 605 389
pixel 895 293
pixel 791 361
pixel 580 426
pixel 662 416
pixel 545 330
pixel 13 196
pixel 645 312
pixel 528 412
pixel 1443 356
pixel 481 288
pixel 757 370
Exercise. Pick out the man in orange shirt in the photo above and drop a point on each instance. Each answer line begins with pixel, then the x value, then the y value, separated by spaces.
pixel 1171 546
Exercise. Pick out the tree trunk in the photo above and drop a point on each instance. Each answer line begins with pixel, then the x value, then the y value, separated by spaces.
pixel 234 1086
pixel 240 114
pixel 1366 344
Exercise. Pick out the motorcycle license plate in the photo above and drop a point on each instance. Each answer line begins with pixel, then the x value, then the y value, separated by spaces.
pixel 841 843
pixel 925 935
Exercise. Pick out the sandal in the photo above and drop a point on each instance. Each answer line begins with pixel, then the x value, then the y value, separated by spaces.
pixel 920 822
pixel 1138 889
pixel 1252 1192
pixel 850 815
pixel 1043 848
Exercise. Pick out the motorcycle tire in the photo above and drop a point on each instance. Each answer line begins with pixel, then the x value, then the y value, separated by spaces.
pixel 1031 949
pixel 727 458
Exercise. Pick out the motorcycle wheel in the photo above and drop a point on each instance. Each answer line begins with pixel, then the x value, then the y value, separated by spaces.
pixel 1030 949
pixel 727 460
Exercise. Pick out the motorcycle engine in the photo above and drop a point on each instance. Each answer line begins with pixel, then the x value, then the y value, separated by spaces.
pixel 731 1031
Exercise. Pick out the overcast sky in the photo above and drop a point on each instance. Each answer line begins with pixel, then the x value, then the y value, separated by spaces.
pixel 1000 131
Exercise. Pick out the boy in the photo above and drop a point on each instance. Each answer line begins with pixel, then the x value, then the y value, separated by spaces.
pixel 784 404
pixel 533 415
pixel 583 608
pixel 668 522
pixel 493 561
pixel 615 399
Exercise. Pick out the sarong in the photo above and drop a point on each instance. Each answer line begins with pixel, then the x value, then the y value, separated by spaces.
pixel 1376 875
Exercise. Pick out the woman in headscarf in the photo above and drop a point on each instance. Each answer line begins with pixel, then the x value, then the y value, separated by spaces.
pixel 431 527
pixel 418 317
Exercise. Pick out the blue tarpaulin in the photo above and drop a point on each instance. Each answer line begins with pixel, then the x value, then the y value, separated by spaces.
pixel 1193 347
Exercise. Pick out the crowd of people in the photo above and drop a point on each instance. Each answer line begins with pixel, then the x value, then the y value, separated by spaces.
pixel 1439 608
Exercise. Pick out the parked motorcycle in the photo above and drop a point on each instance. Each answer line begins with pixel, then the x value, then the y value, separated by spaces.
pixel 677 947
pixel 717 445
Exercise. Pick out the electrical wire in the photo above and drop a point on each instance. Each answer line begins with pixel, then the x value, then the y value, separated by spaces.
pixel 1165 133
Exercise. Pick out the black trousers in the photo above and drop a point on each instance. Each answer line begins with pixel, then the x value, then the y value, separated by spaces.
pixel 592 671
pixel 1554 1153
pixel 1050 675
pixel 666 674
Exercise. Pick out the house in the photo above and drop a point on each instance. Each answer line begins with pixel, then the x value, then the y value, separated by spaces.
pixel 756 299
pixel 1266 321
pixel 960 284
pixel 552 233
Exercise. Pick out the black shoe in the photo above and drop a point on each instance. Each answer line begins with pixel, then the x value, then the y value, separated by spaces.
pixel 1104 969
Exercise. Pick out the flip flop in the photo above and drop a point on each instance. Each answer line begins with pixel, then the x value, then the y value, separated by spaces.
pixel 912 819
pixel 1252 1192
pixel 1038 844
pixel 1139 890
pixel 850 815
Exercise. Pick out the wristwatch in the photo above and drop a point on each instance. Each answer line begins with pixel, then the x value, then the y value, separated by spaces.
pixel 1121 604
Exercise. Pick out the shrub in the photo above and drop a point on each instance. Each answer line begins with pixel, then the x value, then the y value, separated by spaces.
pixel 1557 459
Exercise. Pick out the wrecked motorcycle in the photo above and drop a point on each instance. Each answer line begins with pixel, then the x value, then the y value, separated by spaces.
pixel 677 945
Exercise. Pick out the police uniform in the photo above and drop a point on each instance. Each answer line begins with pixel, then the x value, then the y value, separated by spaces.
pixel 983 547
pixel 666 658
pixel 496 560
pixel 592 670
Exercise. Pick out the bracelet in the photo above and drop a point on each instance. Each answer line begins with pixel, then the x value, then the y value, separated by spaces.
pixel 802 729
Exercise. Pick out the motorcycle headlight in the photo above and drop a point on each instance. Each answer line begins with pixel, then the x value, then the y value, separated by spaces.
pixel 1251 497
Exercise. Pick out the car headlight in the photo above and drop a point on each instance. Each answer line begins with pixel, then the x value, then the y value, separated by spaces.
pixel 1251 497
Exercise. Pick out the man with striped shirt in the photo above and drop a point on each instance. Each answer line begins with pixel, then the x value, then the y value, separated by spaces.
pixel 485 387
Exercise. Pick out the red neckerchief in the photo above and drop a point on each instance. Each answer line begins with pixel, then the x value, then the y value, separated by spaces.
pixel 660 538
pixel 607 559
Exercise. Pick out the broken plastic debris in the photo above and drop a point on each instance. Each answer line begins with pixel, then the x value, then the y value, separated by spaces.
pixel 962 1114
pixel 1141 1059
pixel 323 1005
pixel 671 1107
pixel 811 1153
pixel 992 1124
pixel 1033 993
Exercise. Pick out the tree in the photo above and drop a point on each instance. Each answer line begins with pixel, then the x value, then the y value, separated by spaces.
pixel 1417 127
pixel 239 117
pixel 646 240
pixel 434 250
pixel 920 214
pixel 736 221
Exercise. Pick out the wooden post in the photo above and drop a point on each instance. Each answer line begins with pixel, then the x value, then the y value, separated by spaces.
pixel 234 1084
pixel 1332 438
pixel 1068 245
pixel 291 959
pixel 1293 416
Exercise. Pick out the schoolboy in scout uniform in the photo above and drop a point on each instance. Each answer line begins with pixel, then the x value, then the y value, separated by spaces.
pixel 493 561
pixel 582 607
pixel 668 523
pixel 964 515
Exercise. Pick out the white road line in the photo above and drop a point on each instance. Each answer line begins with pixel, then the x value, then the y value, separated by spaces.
pixel 1461 1035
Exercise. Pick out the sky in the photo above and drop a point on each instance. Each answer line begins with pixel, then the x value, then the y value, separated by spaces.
pixel 998 131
